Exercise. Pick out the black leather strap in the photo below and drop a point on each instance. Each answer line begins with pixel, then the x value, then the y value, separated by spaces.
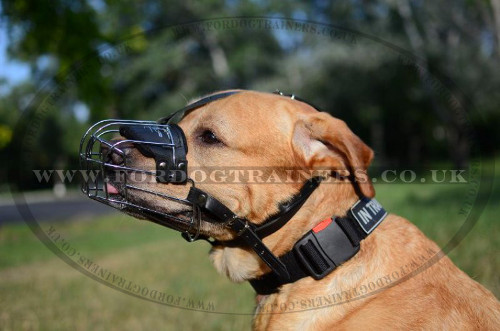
pixel 294 97
pixel 270 282
pixel 288 209
pixel 208 203
pixel 178 115
pixel 166 144
pixel 244 230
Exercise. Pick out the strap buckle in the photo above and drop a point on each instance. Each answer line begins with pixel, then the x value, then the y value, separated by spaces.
pixel 323 251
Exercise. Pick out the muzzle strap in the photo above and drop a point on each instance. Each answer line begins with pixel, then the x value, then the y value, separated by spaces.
pixel 208 203
pixel 178 115
pixel 248 234
pixel 166 144
pixel 288 209
pixel 245 231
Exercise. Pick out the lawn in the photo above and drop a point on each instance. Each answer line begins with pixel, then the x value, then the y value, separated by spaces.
pixel 38 291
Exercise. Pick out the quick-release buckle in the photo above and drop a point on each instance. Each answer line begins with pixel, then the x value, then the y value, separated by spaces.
pixel 322 250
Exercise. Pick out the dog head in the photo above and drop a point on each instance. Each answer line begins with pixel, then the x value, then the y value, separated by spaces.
pixel 247 151
pixel 251 151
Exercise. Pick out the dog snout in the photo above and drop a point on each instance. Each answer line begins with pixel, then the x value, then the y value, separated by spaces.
pixel 112 152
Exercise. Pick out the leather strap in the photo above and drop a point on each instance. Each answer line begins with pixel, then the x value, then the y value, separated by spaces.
pixel 166 144
pixel 178 115
pixel 286 211
pixel 208 203
pixel 243 229
pixel 246 232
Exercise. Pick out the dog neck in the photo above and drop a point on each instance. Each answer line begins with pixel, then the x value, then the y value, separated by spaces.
pixel 330 199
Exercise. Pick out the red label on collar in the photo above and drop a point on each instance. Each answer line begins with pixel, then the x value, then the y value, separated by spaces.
pixel 321 226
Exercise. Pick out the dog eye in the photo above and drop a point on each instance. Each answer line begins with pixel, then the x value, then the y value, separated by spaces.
pixel 209 138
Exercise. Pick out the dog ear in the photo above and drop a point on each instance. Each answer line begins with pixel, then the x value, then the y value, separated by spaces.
pixel 323 141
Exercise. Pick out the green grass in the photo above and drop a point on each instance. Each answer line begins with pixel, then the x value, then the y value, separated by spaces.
pixel 38 291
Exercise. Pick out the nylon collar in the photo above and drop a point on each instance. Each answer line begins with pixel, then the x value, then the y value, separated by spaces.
pixel 324 248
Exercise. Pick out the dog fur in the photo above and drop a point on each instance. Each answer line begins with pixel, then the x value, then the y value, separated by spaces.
pixel 267 130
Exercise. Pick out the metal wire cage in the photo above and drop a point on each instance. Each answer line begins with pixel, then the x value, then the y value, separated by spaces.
pixel 103 155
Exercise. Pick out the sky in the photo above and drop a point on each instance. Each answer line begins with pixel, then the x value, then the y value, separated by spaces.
pixel 12 71
pixel 15 72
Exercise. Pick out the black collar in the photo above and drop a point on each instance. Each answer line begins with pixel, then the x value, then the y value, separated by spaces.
pixel 325 247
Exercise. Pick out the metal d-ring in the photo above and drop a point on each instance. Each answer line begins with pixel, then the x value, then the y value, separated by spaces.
pixel 195 217
pixel 245 228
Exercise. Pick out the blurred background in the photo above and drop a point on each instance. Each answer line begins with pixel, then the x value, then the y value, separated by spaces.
pixel 418 81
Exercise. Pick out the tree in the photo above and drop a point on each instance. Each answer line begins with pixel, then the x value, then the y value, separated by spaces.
pixel 145 59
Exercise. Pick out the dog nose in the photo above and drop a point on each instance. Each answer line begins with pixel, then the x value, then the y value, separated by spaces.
pixel 112 153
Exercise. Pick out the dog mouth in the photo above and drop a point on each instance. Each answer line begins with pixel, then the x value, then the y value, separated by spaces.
pixel 183 220
pixel 113 191
pixel 180 219
pixel 135 172
pixel 116 199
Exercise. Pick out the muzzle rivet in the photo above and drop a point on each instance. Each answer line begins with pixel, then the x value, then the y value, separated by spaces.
pixel 181 165
pixel 202 199
pixel 163 165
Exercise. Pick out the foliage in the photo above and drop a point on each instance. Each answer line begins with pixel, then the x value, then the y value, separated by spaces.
pixel 144 59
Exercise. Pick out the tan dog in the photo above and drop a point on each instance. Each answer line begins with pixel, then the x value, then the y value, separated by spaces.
pixel 396 281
